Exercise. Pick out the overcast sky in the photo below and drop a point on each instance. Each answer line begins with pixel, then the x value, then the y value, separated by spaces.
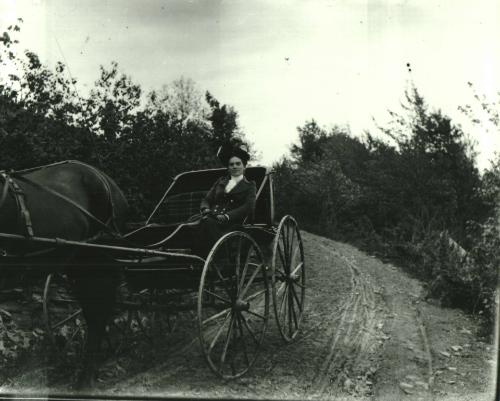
pixel 280 63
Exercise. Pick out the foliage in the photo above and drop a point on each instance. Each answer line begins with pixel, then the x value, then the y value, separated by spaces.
pixel 483 112
pixel 141 143
pixel 12 340
pixel 322 176
pixel 465 279
pixel 406 195
pixel 182 102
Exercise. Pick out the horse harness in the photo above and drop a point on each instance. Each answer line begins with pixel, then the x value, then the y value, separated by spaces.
pixel 20 198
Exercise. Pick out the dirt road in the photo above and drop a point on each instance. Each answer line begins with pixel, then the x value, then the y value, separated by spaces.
pixel 367 334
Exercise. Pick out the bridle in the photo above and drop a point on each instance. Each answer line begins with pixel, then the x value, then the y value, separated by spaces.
pixel 5 189
pixel 108 226
pixel 19 197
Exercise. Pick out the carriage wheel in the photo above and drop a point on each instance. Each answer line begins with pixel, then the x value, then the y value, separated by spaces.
pixel 64 322
pixel 233 305
pixel 288 278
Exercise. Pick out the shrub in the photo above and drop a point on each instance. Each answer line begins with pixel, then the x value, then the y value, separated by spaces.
pixel 467 280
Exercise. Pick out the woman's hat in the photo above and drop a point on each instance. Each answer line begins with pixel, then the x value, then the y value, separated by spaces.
pixel 227 151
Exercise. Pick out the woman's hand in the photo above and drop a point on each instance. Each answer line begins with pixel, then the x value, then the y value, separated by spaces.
pixel 222 218
pixel 205 211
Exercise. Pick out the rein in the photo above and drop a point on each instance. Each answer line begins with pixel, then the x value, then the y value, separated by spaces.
pixel 5 189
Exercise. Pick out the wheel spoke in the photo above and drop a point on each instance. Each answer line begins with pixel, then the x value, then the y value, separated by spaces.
pixel 55 326
pixel 256 314
pixel 299 266
pixel 222 279
pixel 282 274
pixel 280 253
pixel 245 323
pixel 242 336
pixel 280 288
pixel 226 344
pixel 290 248
pixel 285 293
pixel 255 295
pixel 290 231
pixel 227 301
pixel 238 264
pixel 299 304
pixel 245 269
pixel 217 335
pixel 294 314
pixel 226 269
pixel 75 332
pixel 285 238
pixel 64 301
pixel 285 254
pixel 250 281
pixel 286 234
pixel 233 353
pixel 216 316
pixel 300 285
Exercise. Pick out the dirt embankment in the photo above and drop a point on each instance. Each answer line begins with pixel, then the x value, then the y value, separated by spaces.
pixel 367 334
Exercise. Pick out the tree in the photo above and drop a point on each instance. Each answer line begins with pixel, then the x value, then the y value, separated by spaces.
pixel 182 102
pixel 113 104
pixel 39 111
pixel 224 121
pixel 312 139
pixel 437 172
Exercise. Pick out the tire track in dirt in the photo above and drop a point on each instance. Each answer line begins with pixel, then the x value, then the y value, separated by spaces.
pixel 351 342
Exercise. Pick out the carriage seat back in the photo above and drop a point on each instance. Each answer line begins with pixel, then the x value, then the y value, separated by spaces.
pixel 182 200
pixel 181 207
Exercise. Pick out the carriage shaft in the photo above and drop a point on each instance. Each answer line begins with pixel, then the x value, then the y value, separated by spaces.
pixel 59 242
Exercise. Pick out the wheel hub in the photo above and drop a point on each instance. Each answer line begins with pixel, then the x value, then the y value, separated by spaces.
pixel 240 305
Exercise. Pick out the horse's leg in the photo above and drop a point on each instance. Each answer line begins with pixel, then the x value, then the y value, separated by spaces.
pixel 96 294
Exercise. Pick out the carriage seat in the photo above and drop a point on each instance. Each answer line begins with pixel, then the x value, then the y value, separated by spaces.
pixel 181 204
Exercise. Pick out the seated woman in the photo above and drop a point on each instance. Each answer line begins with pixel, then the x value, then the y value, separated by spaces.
pixel 230 200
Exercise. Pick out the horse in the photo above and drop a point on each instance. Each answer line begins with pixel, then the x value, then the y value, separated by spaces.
pixel 71 201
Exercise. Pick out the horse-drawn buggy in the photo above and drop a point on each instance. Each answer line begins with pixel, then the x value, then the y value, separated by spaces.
pixel 67 222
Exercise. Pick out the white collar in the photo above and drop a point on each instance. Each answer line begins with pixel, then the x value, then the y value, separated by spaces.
pixel 233 182
pixel 237 178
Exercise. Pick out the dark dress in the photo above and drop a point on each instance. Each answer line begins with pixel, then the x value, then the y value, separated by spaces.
pixel 236 204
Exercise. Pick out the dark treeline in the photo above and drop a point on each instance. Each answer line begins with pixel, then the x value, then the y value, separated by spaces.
pixel 142 141
pixel 413 194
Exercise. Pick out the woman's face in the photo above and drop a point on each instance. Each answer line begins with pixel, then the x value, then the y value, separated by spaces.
pixel 235 166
